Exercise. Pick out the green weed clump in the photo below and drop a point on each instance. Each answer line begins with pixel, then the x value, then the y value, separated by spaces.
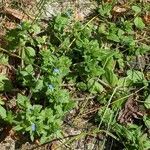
pixel 96 57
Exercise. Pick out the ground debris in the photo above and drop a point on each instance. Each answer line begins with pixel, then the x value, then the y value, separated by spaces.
pixel 130 111
pixel 7 144
pixel 17 14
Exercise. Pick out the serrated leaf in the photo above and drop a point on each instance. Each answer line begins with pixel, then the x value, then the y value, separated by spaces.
pixel 135 76
pixel 139 23
pixel 124 82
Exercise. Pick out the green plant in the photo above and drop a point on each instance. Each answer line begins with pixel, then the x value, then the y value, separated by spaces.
pixel 38 121
pixel 94 58
pixel 2 110
pixel 130 135
pixel 44 102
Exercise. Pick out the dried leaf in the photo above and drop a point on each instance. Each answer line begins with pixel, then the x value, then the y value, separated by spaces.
pixel 8 71
pixel 17 14
pixel 3 69
pixel 147 19
pixel 108 1
pixel 119 9
pixel 54 145
pixel 79 16
pixel 10 25
pixel 130 111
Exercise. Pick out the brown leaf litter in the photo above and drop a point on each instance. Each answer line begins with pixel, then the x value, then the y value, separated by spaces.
pixel 17 14
pixel 130 111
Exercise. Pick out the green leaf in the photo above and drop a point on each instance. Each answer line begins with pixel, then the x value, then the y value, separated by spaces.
pixel 60 22
pixel 5 83
pixel 43 139
pixel 2 112
pixel 106 114
pixel 135 76
pixel 147 102
pixel 18 128
pixel 139 23
pixel 111 77
pixel 143 49
pixel 68 106
pixel 39 85
pixel 82 86
pixel 94 86
pixel 25 25
pixel 3 59
pixel 146 120
pixel 1 101
pixel 32 137
pixel 105 9
pixel 136 9
pixel 124 82
pixel 113 37
pixel 120 33
pixel 102 28
pixel 10 117
pixel 35 29
pixel 58 109
pixel 29 69
pixel 128 27
pixel 23 101
pixel 41 40
pixel 110 62
pixel 2 78
pixel 30 51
